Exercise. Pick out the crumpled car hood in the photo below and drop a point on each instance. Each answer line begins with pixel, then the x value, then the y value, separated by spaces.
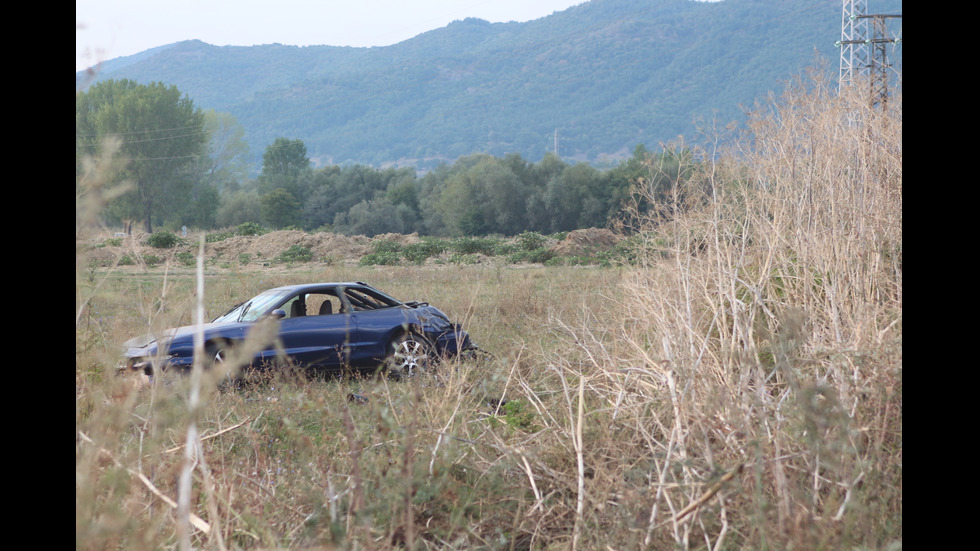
pixel 166 335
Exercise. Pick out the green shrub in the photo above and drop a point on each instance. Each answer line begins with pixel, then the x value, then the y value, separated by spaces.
pixel 249 228
pixel 504 248
pixel 632 249
pixel 244 258
pixel 162 240
pixel 419 252
pixel 529 240
pixel 151 259
pixel 126 260
pixel 186 258
pixel 385 246
pixel 457 258
pixel 518 414
pixel 296 253
pixel 475 245
pixel 218 236
pixel 537 256
pixel 384 258
pixel 112 242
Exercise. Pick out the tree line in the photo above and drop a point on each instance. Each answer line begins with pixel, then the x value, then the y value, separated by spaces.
pixel 185 167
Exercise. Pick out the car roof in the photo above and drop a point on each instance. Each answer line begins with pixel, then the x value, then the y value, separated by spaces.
pixel 301 286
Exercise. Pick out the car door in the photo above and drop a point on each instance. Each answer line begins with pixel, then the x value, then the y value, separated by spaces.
pixel 316 332
pixel 375 318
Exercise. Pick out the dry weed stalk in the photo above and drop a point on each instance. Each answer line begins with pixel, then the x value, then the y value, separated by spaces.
pixel 791 262
pixel 762 330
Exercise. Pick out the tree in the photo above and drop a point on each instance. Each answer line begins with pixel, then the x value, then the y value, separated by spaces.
pixel 202 211
pixel 279 208
pixel 285 165
pixel 375 217
pixel 226 160
pixel 162 136
pixel 239 207
pixel 486 197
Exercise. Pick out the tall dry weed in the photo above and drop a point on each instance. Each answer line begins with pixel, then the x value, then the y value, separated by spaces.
pixel 756 374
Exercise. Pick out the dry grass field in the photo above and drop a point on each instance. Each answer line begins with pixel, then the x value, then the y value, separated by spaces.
pixel 737 386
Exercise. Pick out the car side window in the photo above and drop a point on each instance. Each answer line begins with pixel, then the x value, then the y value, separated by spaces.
pixel 363 301
pixel 321 304
pixel 295 307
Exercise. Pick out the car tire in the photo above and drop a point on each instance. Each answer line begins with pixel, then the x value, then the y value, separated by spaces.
pixel 216 353
pixel 409 354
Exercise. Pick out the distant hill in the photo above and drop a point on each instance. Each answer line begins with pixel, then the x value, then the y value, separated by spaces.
pixel 606 74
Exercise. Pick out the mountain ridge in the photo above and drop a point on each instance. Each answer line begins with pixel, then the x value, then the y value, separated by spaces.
pixel 606 74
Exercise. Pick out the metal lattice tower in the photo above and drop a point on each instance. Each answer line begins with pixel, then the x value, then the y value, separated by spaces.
pixel 863 54
pixel 853 50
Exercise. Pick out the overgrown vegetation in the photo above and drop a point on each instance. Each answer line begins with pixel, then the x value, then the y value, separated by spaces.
pixel 295 253
pixel 738 386
pixel 162 240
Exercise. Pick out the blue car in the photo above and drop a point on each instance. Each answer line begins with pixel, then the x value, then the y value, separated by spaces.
pixel 320 326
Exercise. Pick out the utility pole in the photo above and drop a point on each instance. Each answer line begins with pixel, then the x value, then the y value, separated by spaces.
pixel 556 142
pixel 863 54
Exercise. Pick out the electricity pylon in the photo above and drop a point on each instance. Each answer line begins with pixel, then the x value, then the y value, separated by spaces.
pixel 863 53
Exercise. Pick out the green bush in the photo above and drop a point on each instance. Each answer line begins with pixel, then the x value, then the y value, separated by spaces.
pixel 504 249
pixel 475 245
pixel 457 258
pixel 519 415
pixel 249 228
pixel 296 253
pixel 537 256
pixel 218 236
pixel 385 246
pixel 186 258
pixel 632 249
pixel 419 252
pixel 529 240
pixel 383 258
pixel 151 259
pixel 163 240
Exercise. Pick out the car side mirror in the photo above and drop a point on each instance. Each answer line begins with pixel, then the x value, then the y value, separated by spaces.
pixel 278 314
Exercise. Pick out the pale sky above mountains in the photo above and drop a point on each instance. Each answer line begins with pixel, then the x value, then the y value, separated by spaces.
pixel 107 29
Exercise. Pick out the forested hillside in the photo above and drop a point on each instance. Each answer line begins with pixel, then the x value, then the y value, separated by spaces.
pixel 603 76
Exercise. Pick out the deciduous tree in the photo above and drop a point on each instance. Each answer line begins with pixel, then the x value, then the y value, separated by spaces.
pixel 162 136
pixel 285 165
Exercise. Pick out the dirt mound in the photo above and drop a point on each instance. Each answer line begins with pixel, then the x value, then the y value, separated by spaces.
pixel 269 246
pixel 586 242
pixel 263 250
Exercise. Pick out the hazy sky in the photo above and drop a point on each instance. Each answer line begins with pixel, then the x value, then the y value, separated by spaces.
pixel 106 29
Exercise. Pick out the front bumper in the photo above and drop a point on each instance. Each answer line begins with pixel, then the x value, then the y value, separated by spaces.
pixel 150 363
pixel 454 341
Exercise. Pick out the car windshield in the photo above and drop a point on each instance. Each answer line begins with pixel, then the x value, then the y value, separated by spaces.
pixel 250 310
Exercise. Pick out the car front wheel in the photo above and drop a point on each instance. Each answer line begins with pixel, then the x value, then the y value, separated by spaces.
pixel 216 354
pixel 409 354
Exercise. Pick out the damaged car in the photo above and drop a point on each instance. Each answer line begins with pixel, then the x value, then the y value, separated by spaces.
pixel 321 326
